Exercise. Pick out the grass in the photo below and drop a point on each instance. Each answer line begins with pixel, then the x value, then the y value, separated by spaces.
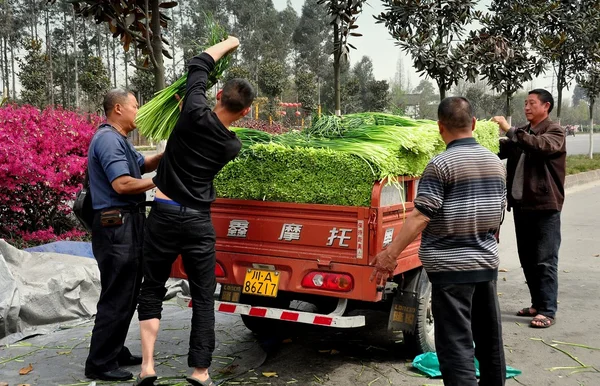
pixel 582 163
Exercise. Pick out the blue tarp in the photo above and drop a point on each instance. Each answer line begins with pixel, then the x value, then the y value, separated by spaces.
pixel 75 248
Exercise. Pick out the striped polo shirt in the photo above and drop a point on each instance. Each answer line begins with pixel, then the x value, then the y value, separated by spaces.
pixel 463 193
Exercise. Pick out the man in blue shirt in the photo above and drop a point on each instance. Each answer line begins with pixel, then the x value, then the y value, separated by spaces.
pixel 115 172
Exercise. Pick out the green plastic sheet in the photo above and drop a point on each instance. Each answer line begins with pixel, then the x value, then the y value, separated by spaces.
pixel 428 363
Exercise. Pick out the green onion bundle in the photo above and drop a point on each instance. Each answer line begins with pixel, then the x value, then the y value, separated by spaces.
pixel 337 161
pixel 157 118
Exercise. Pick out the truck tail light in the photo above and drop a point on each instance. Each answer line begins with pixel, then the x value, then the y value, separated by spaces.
pixel 219 270
pixel 328 281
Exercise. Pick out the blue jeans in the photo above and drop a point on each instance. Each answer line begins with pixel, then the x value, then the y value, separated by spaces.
pixel 538 242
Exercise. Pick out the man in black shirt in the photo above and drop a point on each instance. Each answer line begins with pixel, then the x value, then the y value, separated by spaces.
pixel 179 222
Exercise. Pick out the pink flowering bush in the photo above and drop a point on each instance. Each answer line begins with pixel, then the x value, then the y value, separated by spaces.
pixel 43 156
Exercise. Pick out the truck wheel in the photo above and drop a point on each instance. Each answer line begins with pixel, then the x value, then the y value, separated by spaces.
pixel 422 339
pixel 264 326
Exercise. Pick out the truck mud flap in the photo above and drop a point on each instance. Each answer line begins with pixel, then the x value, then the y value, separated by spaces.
pixel 403 315
pixel 328 320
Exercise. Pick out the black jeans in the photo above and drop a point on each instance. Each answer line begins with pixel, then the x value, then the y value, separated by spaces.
pixel 169 232
pixel 538 242
pixel 463 314
pixel 118 251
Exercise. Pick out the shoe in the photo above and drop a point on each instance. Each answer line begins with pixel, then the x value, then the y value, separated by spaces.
pixel 112 375
pixel 148 380
pixel 196 382
pixel 131 360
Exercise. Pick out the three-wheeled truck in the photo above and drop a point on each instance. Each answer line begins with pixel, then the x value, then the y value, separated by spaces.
pixel 271 255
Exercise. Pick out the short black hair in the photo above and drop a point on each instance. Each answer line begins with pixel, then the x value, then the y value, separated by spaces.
pixel 455 113
pixel 544 96
pixel 238 94
pixel 114 97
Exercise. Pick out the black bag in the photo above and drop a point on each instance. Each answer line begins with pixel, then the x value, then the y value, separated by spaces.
pixel 82 207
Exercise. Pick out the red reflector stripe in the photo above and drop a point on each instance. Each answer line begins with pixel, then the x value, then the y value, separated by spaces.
pixel 258 312
pixel 227 308
pixel 291 316
pixel 323 320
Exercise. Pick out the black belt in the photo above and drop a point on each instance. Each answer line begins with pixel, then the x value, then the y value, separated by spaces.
pixel 177 208
pixel 139 208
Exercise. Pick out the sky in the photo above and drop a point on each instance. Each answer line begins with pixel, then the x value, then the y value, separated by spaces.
pixel 377 43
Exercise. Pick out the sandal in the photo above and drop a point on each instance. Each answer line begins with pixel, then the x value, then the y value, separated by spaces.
pixel 543 320
pixel 196 382
pixel 527 312
pixel 148 380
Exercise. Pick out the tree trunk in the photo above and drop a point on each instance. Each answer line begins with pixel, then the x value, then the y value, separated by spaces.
pixel 560 79
pixel 125 56
pixel 157 46
pixel 6 75
pixel 2 70
pixel 442 90
pixel 114 61
pixel 509 108
pixel 75 57
pixel 12 70
pixel 337 53
pixel 159 68
pixel 49 55
pixel 108 57
pixel 591 152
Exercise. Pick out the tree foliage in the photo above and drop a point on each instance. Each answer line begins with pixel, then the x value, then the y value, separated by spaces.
pixel 500 47
pixel 33 75
pixel 94 82
pixel 428 30
pixel 344 15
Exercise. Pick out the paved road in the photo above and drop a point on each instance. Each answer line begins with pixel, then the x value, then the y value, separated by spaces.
pixel 363 357
pixel 580 144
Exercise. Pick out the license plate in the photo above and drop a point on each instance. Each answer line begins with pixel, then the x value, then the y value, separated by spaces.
pixel 262 283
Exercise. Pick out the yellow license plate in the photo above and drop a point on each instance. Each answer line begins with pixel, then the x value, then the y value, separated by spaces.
pixel 262 283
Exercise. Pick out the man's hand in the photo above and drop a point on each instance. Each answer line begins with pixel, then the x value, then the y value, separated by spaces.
pixel 502 123
pixel 223 48
pixel 234 43
pixel 385 264
pixel 180 104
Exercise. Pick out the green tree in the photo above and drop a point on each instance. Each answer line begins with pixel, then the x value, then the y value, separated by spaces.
pixel 377 96
pixel 427 99
pixel 33 74
pixel 428 30
pixel 141 83
pixel 363 71
pixel 560 27
pixel 140 22
pixel 578 95
pixel 344 15
pixel 589 77
pixel 94 82
pixel 501 49
pixel 306 87
pixel 272 80
pixel 312 39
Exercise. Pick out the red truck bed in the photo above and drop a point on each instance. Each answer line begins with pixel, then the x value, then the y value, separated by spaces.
pixel 297 239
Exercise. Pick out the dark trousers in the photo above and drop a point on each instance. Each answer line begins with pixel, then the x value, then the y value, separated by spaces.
pixel 538 241
pixel 118 251
pixel 171 231
pixel 463 314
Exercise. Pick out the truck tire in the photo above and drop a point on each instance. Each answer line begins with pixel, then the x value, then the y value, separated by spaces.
pixel 422 339
pixel 265 326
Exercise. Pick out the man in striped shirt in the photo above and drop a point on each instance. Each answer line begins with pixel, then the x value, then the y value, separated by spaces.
pixel 459 206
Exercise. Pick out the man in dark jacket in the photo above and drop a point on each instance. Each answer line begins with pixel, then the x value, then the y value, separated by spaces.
pixel 536 167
